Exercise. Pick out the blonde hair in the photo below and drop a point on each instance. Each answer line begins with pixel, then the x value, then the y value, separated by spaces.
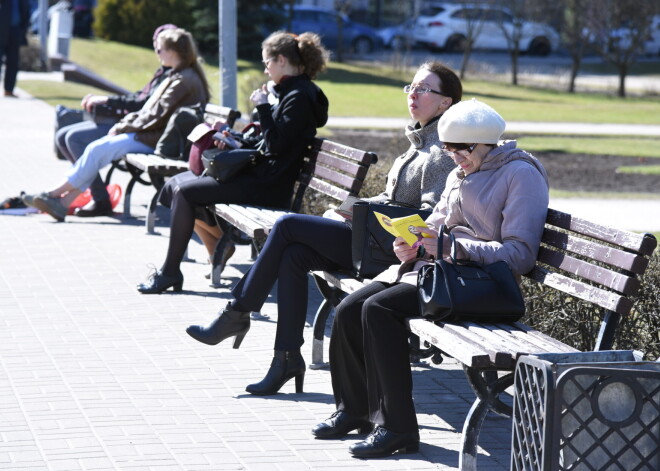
pixel 304 50
pixel 182 43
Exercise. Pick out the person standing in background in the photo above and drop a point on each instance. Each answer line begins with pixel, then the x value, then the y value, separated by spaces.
pixel 14 21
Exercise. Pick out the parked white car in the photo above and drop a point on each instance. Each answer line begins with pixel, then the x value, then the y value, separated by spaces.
pixel 447 30
pixel 652 44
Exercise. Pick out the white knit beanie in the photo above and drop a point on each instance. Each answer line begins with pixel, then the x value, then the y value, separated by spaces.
pixel 471 122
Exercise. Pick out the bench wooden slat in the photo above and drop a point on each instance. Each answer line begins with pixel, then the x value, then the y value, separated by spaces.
pixel 608 278
pixel 468 353
pixel 216 112
pixel 539 341
pixel 264 216
pixel 328 189
pixel 236 217
pixel 323 159
pixel 151 162
pixel 349 183
pixel 509 346
pixel 629 240
pixel 500 353
pixel 343 281
pixel 608 255
pixel 361 156
pixel 605 299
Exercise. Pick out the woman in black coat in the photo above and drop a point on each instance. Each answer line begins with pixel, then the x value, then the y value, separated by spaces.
pixel 291 62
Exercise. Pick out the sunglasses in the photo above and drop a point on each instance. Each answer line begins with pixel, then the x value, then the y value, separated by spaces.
pixel 456 148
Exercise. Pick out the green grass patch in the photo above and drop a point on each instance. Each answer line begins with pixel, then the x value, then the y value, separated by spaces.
pixel 640 169
pixel 54 93
pixel 625 146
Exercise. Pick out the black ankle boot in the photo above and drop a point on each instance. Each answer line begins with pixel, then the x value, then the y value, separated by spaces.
pixel 158 283
pixel 285 365
pixel 228 324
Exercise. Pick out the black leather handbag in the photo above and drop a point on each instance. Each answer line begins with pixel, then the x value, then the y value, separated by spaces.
pixel 468 291
pixel 223 165
pixel 371 244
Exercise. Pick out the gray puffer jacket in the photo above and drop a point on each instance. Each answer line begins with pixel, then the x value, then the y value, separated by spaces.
pixel 496 213
pixel 418 177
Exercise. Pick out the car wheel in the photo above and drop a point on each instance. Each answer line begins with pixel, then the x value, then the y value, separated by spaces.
pixel 539 47
pixel 362 45
pixel 456 43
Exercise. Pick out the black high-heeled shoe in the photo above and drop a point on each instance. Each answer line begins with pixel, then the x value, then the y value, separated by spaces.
pixel 158 282
pixel 285 365
pixel 228 324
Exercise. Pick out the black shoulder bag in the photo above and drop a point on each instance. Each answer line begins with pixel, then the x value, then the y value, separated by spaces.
pixel 468 291
pixel 372 250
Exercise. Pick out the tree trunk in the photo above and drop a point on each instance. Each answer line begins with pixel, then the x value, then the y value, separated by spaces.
pixel 466 59
pixel 575 67
pixel 514 67
pixel 623 71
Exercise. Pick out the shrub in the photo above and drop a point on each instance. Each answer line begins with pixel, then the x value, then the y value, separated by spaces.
pixel 134 21
pixel 577 322
pixel 30 55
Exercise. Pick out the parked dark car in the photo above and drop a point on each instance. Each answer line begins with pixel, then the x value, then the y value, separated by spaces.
pixel 360 38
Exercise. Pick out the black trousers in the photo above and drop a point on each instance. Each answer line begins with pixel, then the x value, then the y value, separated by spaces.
pixel 297 244
pixel 10 50
pixel 369 359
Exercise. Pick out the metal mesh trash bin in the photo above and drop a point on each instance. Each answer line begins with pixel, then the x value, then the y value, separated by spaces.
pixel 593 411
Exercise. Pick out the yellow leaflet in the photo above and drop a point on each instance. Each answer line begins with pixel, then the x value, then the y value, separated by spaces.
pixel 405 227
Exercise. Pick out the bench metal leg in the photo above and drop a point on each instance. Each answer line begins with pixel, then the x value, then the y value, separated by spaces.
pixel 487 388
pixel 151 214
pixel 320 320
pixel 158 182
pixel 331 298
pixel 127 196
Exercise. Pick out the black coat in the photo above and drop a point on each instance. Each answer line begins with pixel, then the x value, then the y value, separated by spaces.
pixel 5 19
pixel 289 128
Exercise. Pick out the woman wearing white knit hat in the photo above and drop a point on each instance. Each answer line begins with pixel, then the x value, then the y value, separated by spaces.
pixel 495 203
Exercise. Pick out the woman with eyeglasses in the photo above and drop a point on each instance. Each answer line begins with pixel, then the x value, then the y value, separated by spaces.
pixel 495 205
pixel 299 243
pixel 291 62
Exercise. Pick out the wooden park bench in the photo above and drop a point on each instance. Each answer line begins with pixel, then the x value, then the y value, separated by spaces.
pixel 330 168
pixel 157 168
pixel 578 258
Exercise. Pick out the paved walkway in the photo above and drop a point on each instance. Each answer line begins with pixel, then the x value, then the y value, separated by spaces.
pixel 95 376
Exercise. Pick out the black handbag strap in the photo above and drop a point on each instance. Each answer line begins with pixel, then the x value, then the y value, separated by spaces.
pixel 452 243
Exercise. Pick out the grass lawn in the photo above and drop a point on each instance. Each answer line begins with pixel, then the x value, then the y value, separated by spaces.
pixel 628 146
pixel 371 90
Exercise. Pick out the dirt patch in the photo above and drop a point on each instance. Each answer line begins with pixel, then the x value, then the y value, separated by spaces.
pixel 571 172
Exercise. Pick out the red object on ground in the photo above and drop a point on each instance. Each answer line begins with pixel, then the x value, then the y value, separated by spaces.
pixel 85 197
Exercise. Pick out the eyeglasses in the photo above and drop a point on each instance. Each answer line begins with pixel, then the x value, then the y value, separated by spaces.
pixel 420 90
pixel 464 149
pixel 268 61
